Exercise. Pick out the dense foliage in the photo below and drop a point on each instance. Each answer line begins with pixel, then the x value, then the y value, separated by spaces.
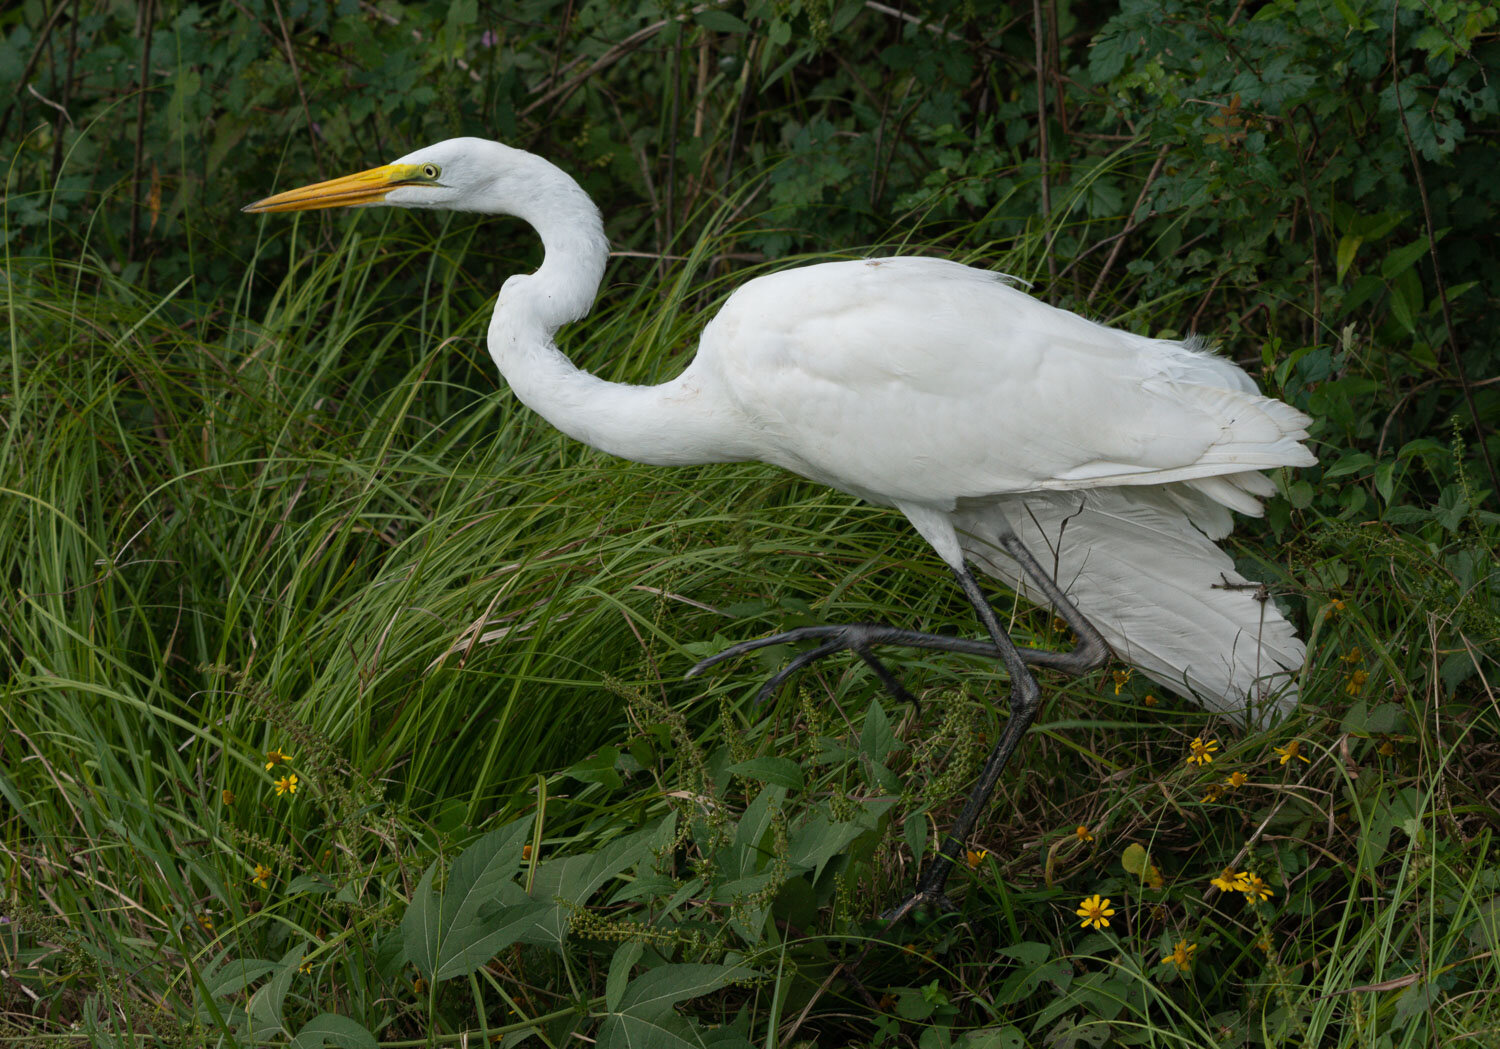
pixel 341 696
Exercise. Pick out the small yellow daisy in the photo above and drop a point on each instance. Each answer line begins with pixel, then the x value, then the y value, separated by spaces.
pixel 1095 911
pixel 1290 751
pixel 262 876
pixel 1356 681
pixel 286 784
pixel 1181 956
pixel 1227 881
pixel 275 756
pixel 1254 888
pixel 1201 753
pixel 1121 678
pixel 227 796
pixel 1082 833
pixel 1236 779
pixel 975 857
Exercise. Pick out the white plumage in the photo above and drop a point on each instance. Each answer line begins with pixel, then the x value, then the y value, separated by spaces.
pixel 942 390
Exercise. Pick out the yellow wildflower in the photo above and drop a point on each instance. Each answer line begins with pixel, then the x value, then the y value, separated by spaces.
pixel 1082 833
pixel 1252 886
pixel 275 756
pixel 1335 607
pixel 1181 956
pixel 1201 753
pixel 976 856
pixel 1354 655
pixel 1387 748
pixel 1290 751
pixel 262 876
pixel 1150 701
pixel 206 922
pixel 419 985
pixel 525 852
pixel 1236 779
pixel 1356 682
pixel 1212 795
pixel 227 796
pixel 1095 911
pixel 1121 677
pixel 1228 880
pixel 286 784
pixel 305 967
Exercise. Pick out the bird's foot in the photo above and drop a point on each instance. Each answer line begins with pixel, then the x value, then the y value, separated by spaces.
pixel 852 637
pixel 921 902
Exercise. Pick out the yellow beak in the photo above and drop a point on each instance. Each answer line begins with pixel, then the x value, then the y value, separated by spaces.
pixel 366 187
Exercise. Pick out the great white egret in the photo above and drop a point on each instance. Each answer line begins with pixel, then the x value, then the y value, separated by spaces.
pixel 999 425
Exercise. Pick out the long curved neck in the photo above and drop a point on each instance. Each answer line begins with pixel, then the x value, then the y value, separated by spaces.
pixel 665 424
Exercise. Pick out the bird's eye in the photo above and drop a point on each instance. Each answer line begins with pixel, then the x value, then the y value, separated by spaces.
pixel 431 171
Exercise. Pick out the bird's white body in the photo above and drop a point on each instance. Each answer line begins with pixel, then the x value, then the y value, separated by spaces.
pixel 947 392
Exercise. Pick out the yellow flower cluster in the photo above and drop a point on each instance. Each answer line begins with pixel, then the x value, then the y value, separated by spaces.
pixel 1252 885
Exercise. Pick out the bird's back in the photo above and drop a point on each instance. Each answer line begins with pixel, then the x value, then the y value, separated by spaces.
pixel 913 380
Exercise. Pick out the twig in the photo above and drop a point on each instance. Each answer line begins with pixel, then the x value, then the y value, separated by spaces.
pixel 1041 123
pixel 1130 223
pixel 147 19
pixel 291 58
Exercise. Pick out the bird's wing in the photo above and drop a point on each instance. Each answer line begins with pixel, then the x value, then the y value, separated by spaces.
pixel 1139 566
pixel 917 380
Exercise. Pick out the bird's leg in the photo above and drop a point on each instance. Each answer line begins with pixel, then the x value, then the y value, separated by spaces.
pixel 1090 652
pixel 1025 698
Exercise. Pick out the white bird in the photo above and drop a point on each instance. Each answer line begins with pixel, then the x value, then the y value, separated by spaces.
pixel 999 425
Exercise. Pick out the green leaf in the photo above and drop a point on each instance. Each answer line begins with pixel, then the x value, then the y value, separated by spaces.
pixel 266 1009
pixel 1135 860
pixel 1354 462
pixel 1348 245
pixel 1402 259
pixel 721 22
pixel 782 772
pixel 645 1016
pixel 332 1029
pixel 876 740
pixel 626 955
pixel 480 911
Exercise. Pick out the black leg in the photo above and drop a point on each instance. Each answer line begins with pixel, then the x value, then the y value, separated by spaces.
pixel 1025 694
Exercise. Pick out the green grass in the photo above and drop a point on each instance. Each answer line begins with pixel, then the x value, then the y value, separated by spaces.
pixel 312 520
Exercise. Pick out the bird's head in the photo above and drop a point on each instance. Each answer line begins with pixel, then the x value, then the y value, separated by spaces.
pixel 455 175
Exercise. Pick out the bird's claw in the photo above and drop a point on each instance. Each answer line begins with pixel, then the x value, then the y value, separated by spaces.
pixel 855 637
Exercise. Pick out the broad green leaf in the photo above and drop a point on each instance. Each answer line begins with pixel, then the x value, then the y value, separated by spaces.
pixel 783 772
pixel 876 740
pixel 1402 259
pixel 626 955
pixel 819 839
pixel 480 910
pixel 721 22
pixel 332 1029
pixel 266 1008
pixel 1135 860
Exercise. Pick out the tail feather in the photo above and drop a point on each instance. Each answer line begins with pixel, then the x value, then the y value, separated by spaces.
pixel 1140 563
